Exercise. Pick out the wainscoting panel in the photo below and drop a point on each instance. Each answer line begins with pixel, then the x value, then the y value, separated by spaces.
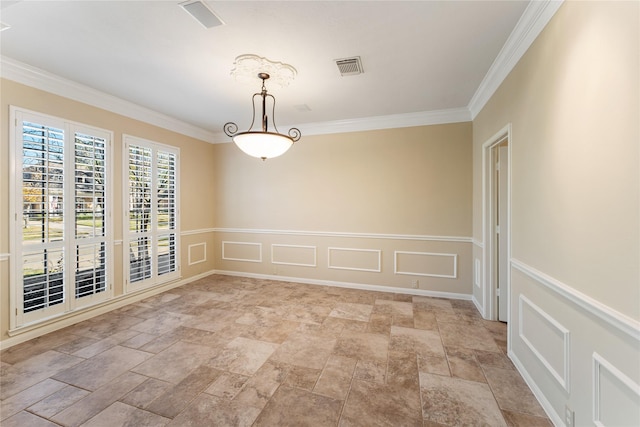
pixel 426 264
pixel 443 263
pixel 242 251
pixel 547 339
pixel 299 255
pixel 355 259
pixel 574 352
pixel 197 253
pixel 616 398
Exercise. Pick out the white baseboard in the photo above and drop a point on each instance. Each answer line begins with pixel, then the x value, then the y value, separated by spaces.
pixel 361 286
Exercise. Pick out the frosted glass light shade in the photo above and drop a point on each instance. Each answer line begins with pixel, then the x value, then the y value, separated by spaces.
pixel 263 145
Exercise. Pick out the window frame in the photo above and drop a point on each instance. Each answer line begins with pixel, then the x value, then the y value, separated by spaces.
pixel 70 241
pixel 156 279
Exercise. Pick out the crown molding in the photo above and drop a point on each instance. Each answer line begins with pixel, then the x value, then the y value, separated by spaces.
pixel 392 121
pixel 535 17
pixel 35 77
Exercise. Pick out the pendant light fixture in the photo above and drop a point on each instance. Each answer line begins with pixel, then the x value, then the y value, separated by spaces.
pixel 262 143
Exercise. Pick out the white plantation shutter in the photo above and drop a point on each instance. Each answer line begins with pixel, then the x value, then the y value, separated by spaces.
pixel 60 203
pixel 152 212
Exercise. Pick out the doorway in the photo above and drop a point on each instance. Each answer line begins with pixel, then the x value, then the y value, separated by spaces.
pixel 496 225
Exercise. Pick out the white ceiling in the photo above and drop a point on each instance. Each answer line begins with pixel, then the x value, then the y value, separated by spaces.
pixel 418 56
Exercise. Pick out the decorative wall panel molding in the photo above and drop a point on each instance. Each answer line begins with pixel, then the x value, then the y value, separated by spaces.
pixel 616 398
pixel 426 264
pixel 341 234
pixel 616 319
pixel 547 339
pixel 242 251
pixel 298 255
pixel 477 273
pixel 197 231
pixel 197 253
pixel 355 259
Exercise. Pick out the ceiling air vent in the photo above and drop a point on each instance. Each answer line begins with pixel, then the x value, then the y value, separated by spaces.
pixel 349 66
pixel 202 13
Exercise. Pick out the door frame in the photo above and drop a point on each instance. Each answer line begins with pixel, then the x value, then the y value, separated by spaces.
pixel 489 292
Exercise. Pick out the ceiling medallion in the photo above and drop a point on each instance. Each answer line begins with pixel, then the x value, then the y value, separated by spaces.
pixel 247 67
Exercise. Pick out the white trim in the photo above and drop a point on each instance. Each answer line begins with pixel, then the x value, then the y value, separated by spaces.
pixel 204 259
pixel 242 259
pixel 197 231
pixel 315 255
pixel 478 243
pixel 477 273
pixel 344 234
pixel 535 17
pixel 375 270
pixel 598 363
pixel 614 318
pixel 447 276
pixel 5 257
pixel 348 285
pixel 489 297
pixel 563 379
pixel 539 395
pixel 49 82
pixel 392 121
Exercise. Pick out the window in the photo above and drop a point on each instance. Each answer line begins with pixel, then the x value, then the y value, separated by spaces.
pixel 151 241
pixel 61 206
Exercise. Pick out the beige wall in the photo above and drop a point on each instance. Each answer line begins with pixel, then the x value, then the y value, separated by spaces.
pixel 573 103
pixel 195 175
pixel 403 181
pixel 412 185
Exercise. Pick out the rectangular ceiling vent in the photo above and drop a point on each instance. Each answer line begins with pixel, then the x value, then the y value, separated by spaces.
pixel 349 66
pixel 202 13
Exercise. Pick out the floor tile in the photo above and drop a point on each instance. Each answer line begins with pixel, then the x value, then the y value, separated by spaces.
pixel 227 385
pixel 58 401
pixel 97 401
pixel 240 351
pixel 145 393
pixel 243 356
pixel 175 363
pixel 362 346
pixel 306 350
pixel 207 410
pixel 175 399
pixel 512 392
pixel 31 371
pixel 463 364
pixel 453 401
pixel 23 419
pixel 352 311
pixel 467 336
pixel 101 369
pixel 310 409
pixel 424 343
pixel 371 404
pixel 336 377
pixel 28 397
pixel 516 419
pixel 120 414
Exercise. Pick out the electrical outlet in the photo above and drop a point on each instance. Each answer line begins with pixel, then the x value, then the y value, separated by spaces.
pixel 568 417
pixel 415 283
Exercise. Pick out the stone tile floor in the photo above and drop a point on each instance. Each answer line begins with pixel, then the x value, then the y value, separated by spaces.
pixel 229 351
